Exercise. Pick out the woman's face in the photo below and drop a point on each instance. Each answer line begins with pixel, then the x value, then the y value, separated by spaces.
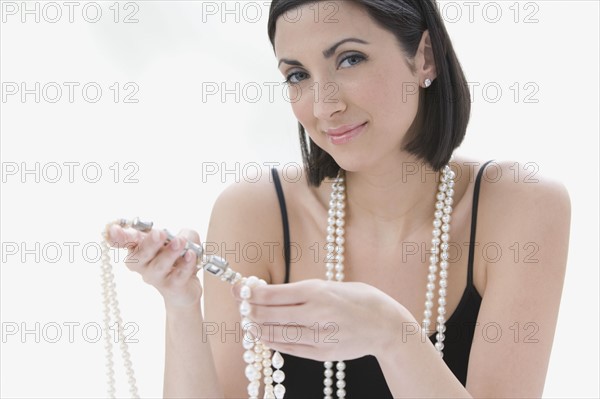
pixel 364 80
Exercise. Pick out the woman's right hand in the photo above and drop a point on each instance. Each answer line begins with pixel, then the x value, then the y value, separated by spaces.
pixel 160 265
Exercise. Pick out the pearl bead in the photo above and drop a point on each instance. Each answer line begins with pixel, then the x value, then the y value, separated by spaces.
pixel 245 308
pixel 340 375
pixel 340 366
pixel 249 356
pixel 278 376
pixel 245 292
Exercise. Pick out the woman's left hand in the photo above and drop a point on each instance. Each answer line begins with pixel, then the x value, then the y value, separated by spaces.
pixel 326 320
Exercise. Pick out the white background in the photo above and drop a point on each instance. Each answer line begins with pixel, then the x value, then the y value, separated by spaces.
pixel 171 134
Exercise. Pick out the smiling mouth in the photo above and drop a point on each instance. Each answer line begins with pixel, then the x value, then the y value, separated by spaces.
pixel 344 137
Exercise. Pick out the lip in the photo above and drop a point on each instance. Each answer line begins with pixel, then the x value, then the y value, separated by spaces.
pixel 345 133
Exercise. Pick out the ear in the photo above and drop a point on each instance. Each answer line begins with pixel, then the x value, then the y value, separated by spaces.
pixel 425 61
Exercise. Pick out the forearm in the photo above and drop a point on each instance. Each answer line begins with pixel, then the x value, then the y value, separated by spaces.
pixel 413 368
pixel 189 366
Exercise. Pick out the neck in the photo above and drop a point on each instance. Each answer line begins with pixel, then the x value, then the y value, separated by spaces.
pixel 388 204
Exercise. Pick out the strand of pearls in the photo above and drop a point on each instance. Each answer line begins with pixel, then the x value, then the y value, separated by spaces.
pixel 335 268
pixel 257 355
pixel 441 228
pixel 110 303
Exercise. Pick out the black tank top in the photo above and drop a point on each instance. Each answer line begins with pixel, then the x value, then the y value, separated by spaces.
pixel 364 378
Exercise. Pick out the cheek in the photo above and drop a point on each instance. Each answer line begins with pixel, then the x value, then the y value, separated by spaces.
pixel 393 102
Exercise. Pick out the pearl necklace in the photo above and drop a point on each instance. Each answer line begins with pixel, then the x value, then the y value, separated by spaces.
pixel 334 263
pixel 257 355
pixel 111 303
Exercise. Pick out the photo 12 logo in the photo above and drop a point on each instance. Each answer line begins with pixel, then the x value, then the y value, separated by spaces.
pixel 52 12
pixel 69 92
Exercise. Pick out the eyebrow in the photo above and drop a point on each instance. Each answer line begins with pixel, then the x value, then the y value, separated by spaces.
pixel 326 53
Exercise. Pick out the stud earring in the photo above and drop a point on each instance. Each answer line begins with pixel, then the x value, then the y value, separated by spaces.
pixel 427 82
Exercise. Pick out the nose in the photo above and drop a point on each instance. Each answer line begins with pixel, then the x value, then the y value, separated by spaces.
pixel 327 100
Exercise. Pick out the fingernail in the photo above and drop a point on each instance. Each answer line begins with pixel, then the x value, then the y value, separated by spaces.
pixel 188 256
pixel 155 236
pixel 175 244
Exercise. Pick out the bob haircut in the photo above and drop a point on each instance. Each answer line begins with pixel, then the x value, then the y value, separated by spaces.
pixel 443 111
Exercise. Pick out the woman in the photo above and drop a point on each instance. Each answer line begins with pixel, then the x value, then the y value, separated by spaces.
pixel 383 100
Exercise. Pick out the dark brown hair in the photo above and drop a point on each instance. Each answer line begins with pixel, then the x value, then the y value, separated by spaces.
pixel 443 114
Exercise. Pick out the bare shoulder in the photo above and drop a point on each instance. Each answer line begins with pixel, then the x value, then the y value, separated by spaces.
pixel 518 197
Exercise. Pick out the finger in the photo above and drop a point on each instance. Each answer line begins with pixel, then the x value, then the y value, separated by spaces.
pixel 305 351
pixel 164 265
pixel 164 260
pixel 303 314
pixel 190 235
pixel 285 294
pixel 141 254
pixel 185 267
pixel 121 238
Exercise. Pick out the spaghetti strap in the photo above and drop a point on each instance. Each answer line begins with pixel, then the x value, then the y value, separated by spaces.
pixel 286 228
pixel 474 224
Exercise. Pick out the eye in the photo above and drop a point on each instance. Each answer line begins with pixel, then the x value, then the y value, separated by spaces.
pixel 354 58
pixel 289 78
